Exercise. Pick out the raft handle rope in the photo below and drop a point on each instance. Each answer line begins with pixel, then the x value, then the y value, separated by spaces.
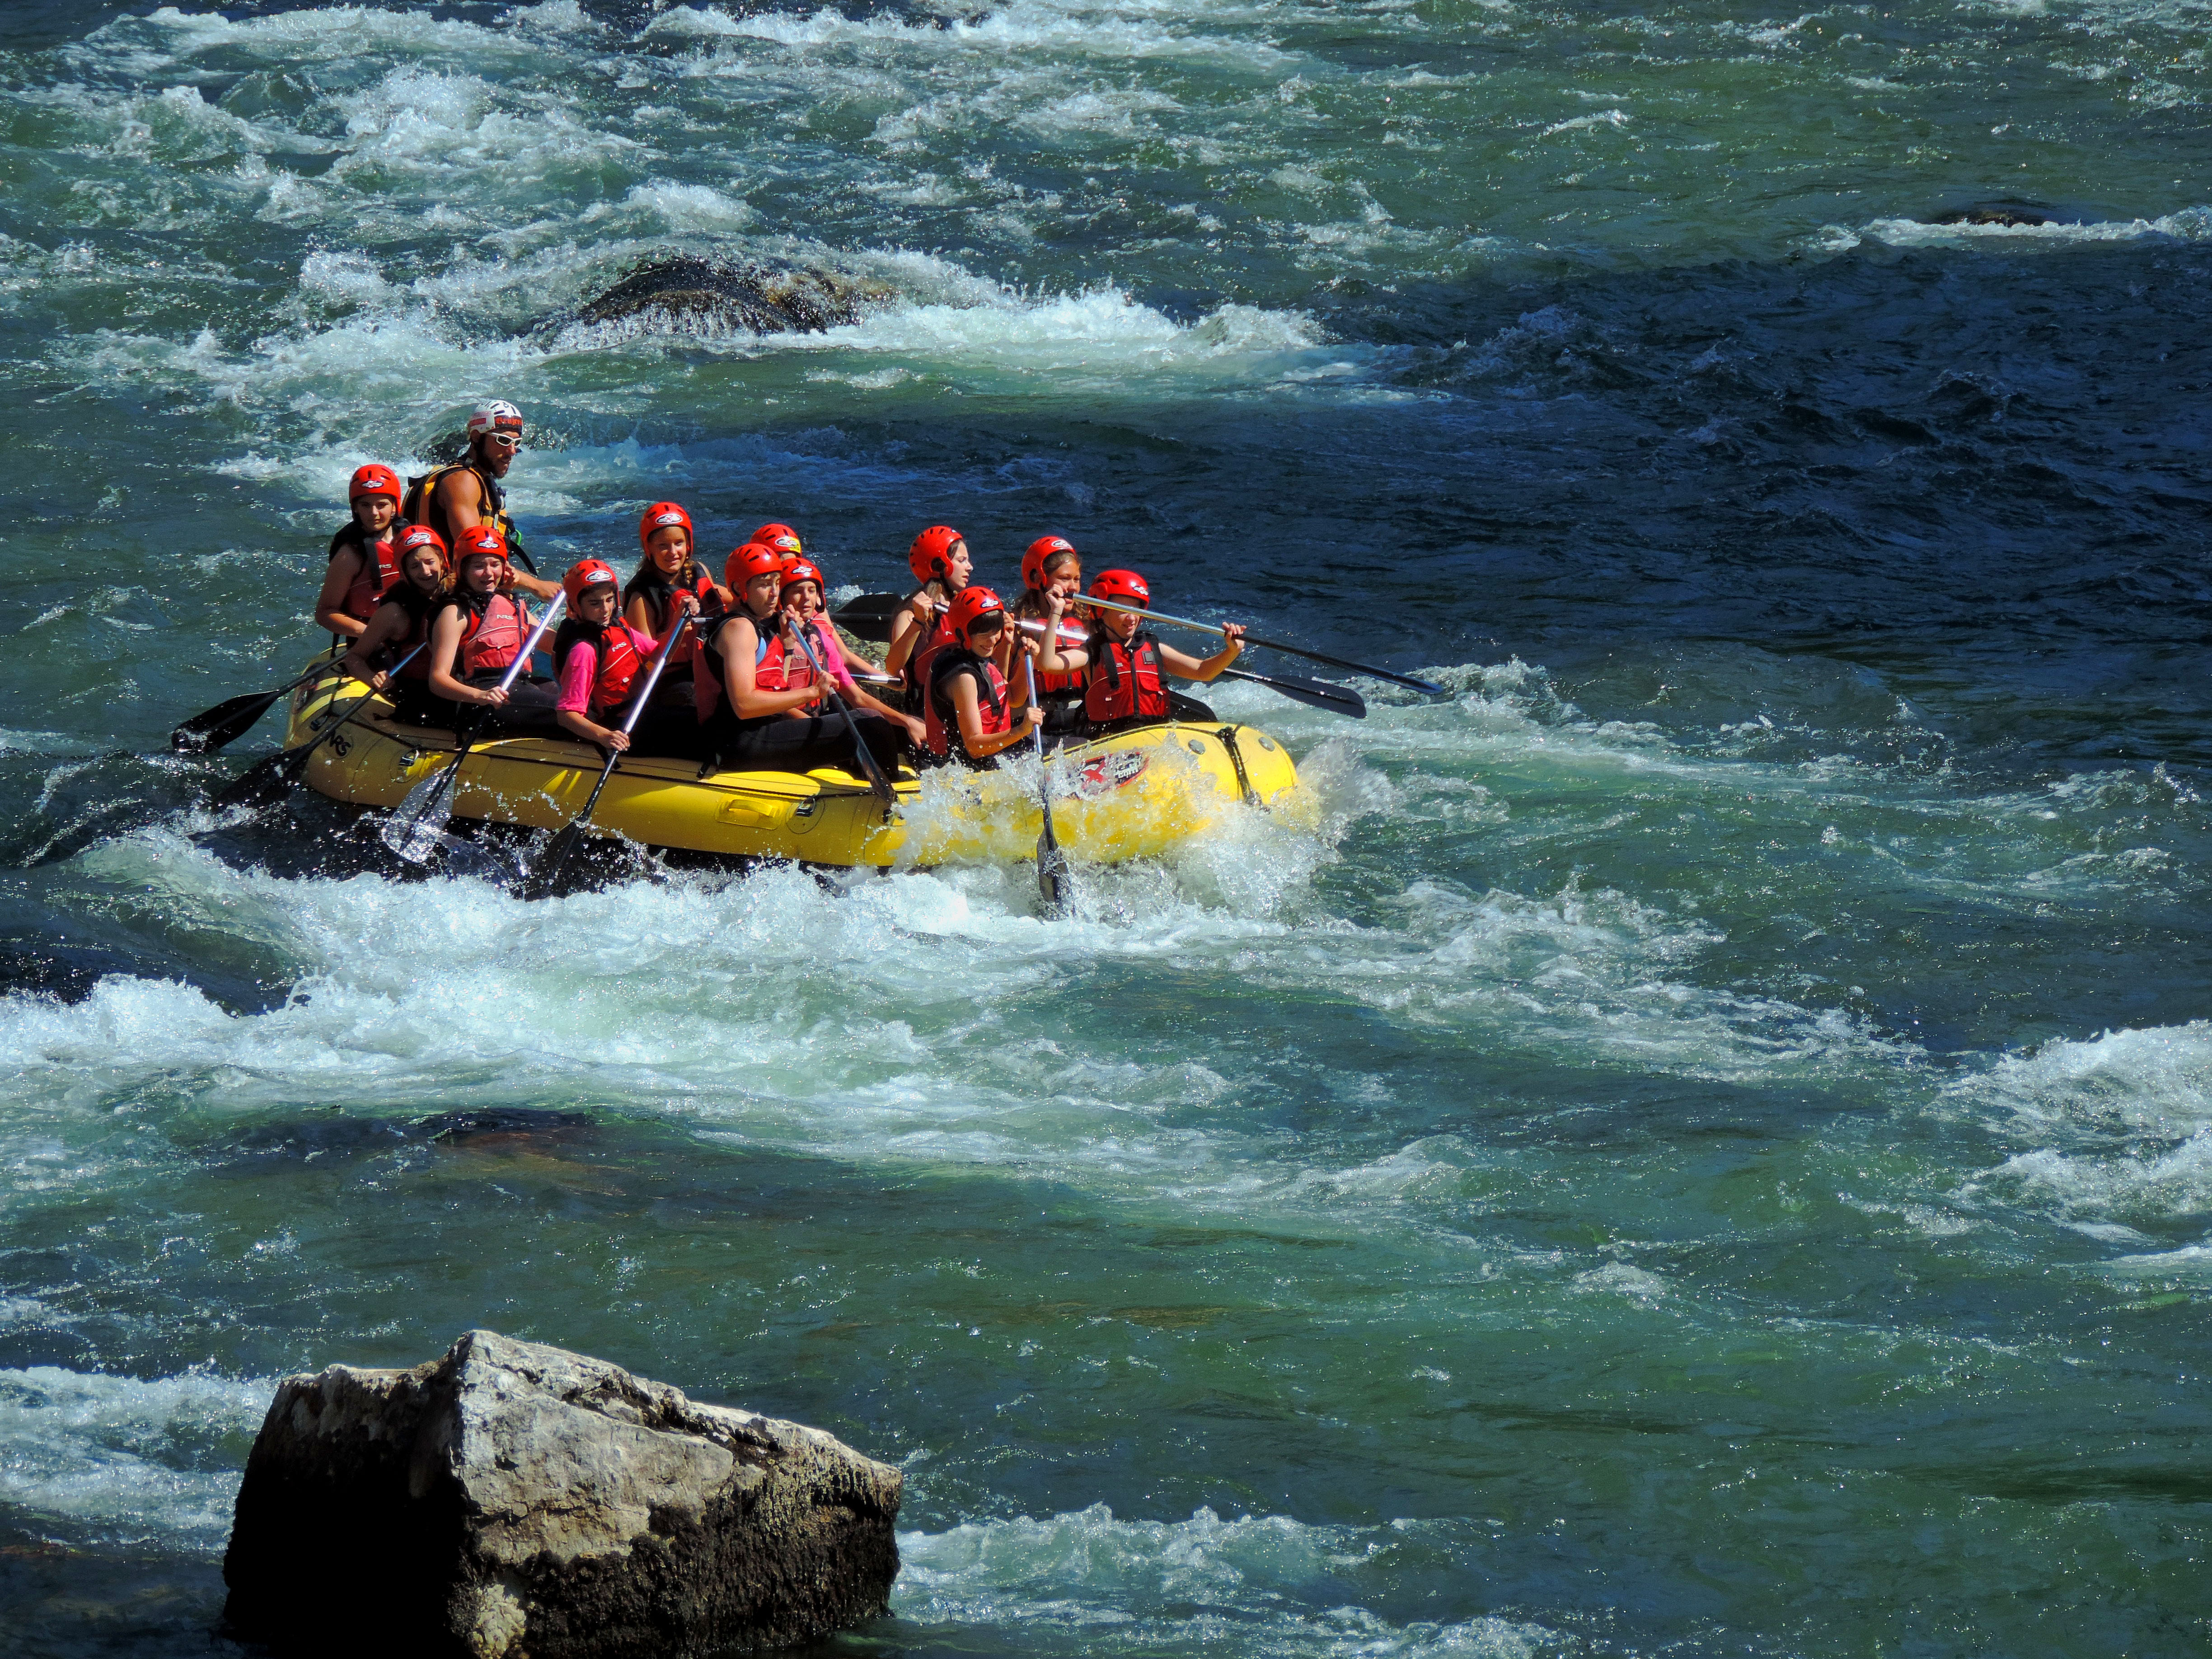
pixel 1228 736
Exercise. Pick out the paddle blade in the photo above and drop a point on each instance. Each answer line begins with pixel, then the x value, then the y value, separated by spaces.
pixel 543 878
pixel 268 778
pixel 869 615
pixel 413 829
pixel 1314 694
pixel 1184 708
pixel 1054 880
pixel 469 858
pixel 224 723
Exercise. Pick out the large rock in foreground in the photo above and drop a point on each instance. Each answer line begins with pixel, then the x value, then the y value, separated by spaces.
pixel 514 1499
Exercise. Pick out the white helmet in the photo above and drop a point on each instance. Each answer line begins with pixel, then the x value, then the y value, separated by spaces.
pixel 495 417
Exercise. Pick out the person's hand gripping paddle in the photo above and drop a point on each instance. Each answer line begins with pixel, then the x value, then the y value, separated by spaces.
pixel 274 774
pixel 1426 688
pixel 416 828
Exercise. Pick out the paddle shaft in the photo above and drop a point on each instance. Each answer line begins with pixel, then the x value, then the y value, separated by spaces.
pixel 197 735
pixel 1052 864
pixel 876 781
pixel 1426 687
pixel 467 736
pixel 1336 700
pixel 355 707
pixel 636 709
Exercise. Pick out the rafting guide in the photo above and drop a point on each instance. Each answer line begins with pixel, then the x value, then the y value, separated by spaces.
pixel 471 491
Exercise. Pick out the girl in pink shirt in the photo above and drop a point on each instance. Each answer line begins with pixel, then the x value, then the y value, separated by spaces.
pixel 599 659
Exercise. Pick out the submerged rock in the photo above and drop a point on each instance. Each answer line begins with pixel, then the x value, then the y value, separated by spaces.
pixel 688 293
pixel 2017 215
pixel 513 1499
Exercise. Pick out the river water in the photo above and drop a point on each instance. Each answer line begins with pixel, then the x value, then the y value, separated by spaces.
pixel 1702 1146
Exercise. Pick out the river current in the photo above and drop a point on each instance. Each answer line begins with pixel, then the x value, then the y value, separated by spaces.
pixel 1702 1143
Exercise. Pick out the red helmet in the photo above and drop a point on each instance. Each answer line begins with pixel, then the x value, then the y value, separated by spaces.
pixel 478 538
pixel 1126 586
pixel 374 480
pixel 420 535
pixel 798 570
pixel 780 537
pixel 930 550
pixel 969 606
pixel 586 573
pixel 660 516
pixel 748 561
pixel 1040 550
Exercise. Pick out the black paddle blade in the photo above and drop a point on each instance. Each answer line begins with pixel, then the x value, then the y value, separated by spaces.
pixel 869 615
pixel 543 878
pixel 1314 694
pixel 1054 880
pixel 267 779
pixel 224 723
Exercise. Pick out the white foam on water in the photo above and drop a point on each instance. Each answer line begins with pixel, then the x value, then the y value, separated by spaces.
pixel 2191 224
pixel 2118 1127
pixel 1255 1584
pixel 878 1022
pixel 1019 30
pixel 2158 1081
pixel 126 1461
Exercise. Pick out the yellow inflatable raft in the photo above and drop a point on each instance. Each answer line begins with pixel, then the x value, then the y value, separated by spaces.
pixel 1134 794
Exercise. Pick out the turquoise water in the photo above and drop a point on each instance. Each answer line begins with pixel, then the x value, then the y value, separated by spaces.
pixel 1702 1144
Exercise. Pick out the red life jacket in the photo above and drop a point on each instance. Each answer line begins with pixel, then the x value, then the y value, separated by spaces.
pixel 1064 684
pixel 380 567
pixel 939 719
pixel 619 662
pixel 937 636
pixel 784 667
pixel 492 629
pixel 1127 680
pixel 653 585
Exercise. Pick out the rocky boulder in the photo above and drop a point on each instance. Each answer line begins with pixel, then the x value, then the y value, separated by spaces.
pixel 514 1499
pixel 688 294
pixel 2008 214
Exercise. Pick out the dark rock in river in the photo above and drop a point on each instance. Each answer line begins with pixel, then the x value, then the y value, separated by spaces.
pixel 2021 215
pixel 705 295
pixel 514 1499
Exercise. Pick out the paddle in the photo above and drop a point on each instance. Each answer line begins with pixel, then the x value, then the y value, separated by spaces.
pixel 407 829
pixel 869 615
pixel 876 781
pixel 1054 880
pixel 546 870
pixel 226 722
pixel 1314 694
pixel 1426 688
pixel 271 776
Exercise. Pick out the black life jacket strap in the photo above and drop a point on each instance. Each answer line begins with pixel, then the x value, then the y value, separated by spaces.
pixel 958 659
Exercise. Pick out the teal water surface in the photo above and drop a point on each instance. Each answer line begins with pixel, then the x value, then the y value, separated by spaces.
pixel 1699 1142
